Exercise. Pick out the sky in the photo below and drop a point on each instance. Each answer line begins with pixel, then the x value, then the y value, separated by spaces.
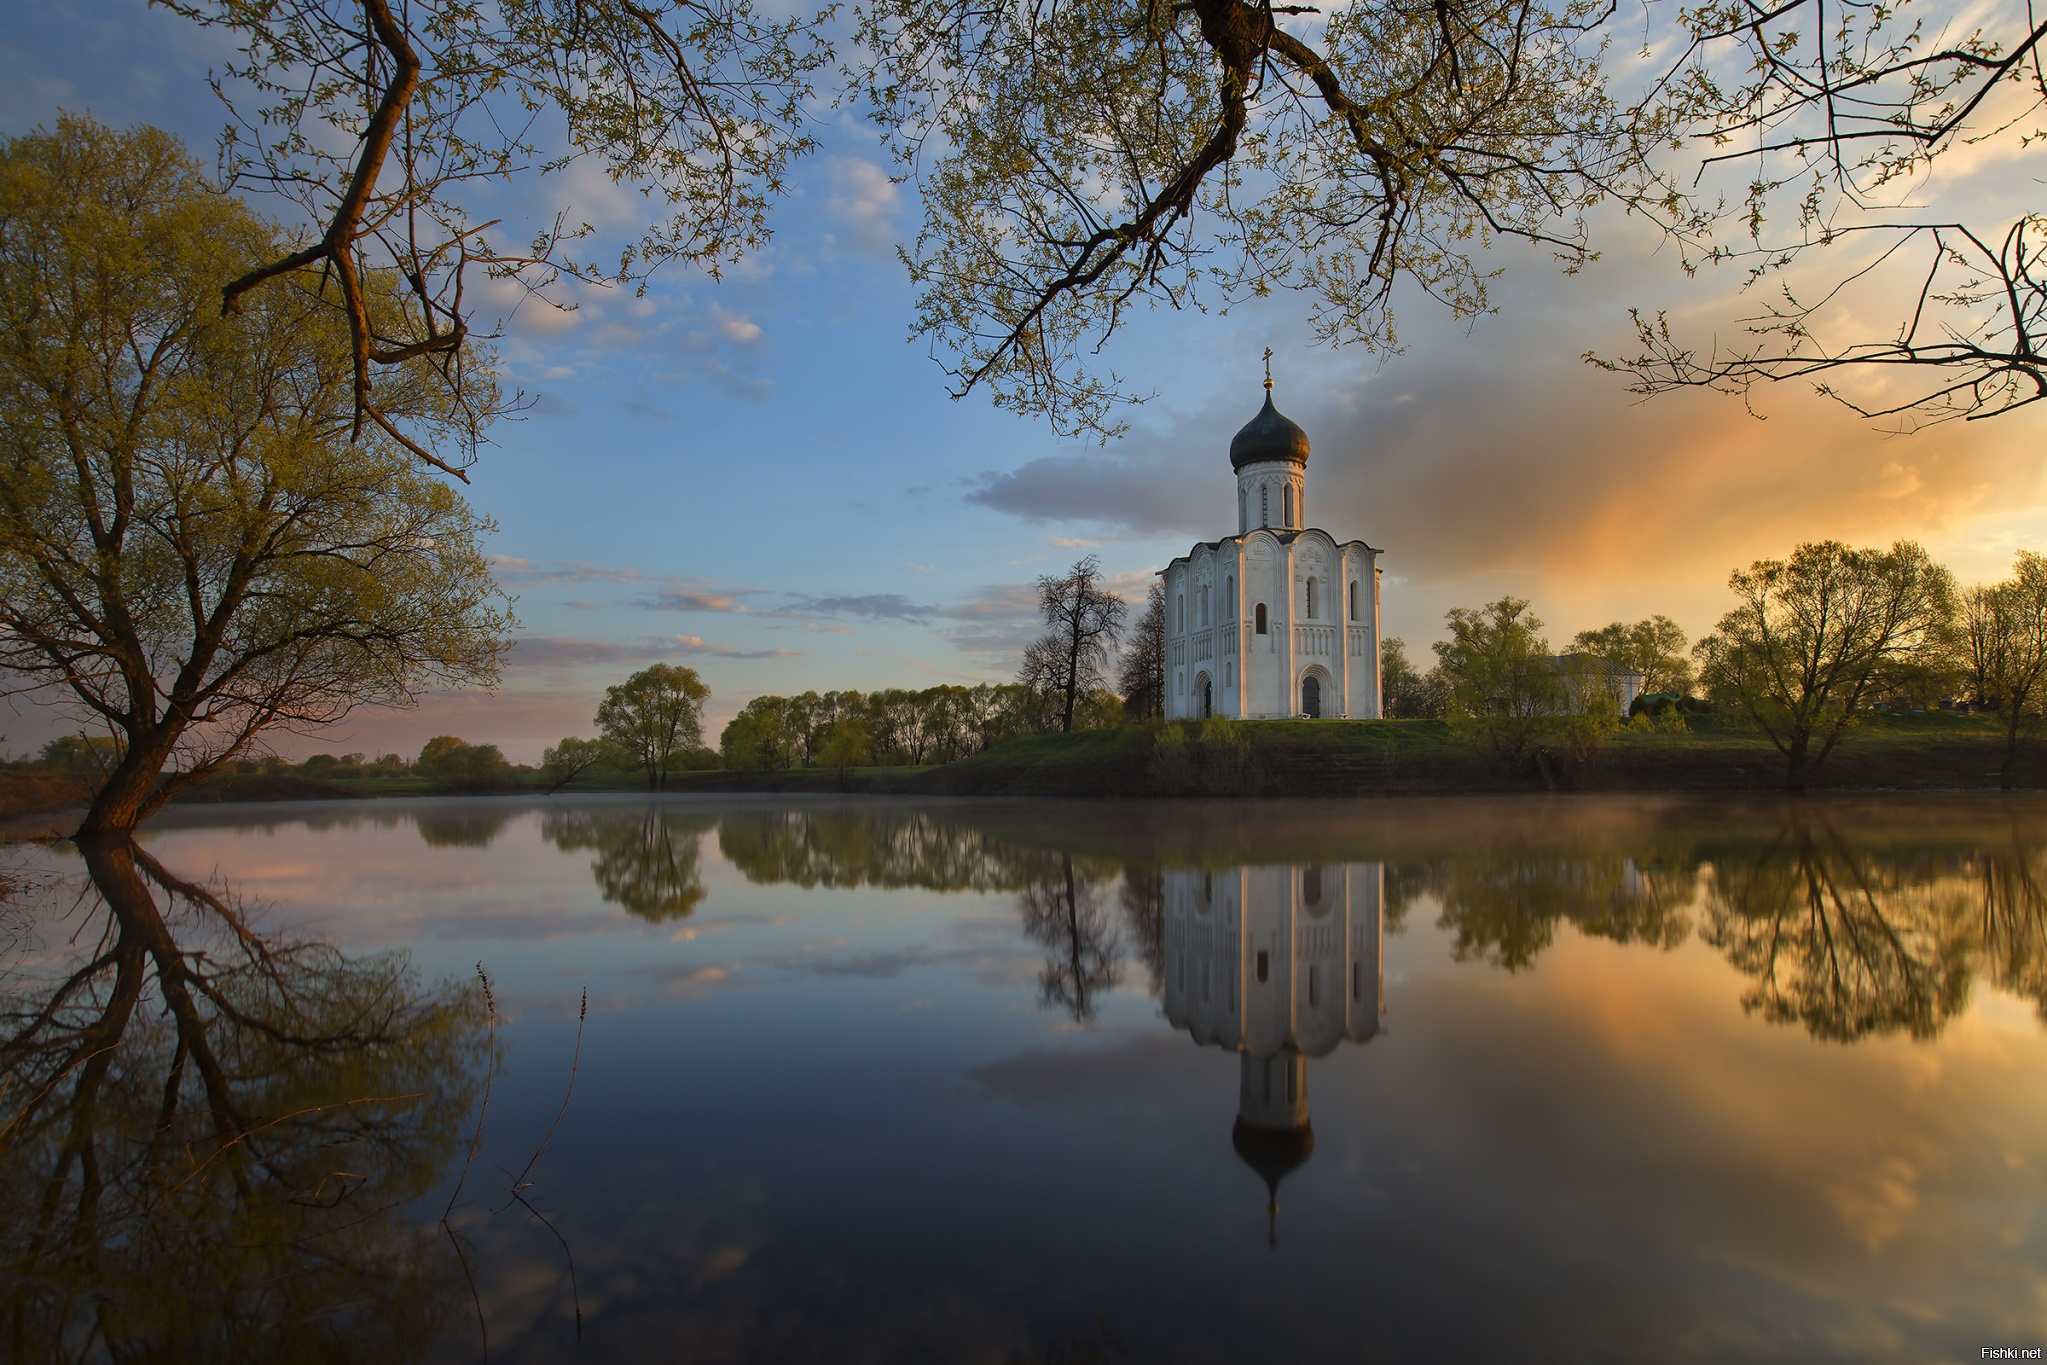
pixel 764 477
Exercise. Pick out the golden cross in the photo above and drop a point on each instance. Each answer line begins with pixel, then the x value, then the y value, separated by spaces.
pixel 1268 368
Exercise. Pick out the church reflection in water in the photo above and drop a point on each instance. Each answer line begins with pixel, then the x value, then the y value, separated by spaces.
pixel 1277 964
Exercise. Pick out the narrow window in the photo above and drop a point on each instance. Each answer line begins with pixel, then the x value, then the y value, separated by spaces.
pixel 1264 967
pixel 1265 504
pixel 1261 618
pixel 1242 519
pixel 1180 606
pixel 1313 985
pixel 1205 590
pixel 1291 1094
pixel 1287 502
pixel 1310 612
pixel 1311 885
pixel 1357 980
pixel 1230 594
pixel 1353 599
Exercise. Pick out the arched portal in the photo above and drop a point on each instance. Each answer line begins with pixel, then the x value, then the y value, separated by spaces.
pixel 1204 691
pixel 1311 697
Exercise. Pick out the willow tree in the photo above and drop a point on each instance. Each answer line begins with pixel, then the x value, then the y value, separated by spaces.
pixel 193 550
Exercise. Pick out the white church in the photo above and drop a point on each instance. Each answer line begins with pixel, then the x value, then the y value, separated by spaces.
pixel 1280 619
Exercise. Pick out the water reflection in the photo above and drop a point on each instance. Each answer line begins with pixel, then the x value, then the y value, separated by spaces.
pixel 647 857
pixel 1276 964
pixel 210 1129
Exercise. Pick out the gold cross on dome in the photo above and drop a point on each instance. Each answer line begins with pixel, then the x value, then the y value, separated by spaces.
pixel 1268 368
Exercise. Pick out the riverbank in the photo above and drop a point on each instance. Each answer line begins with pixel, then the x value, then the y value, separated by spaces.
pixel 1938 751
pixel 1933 752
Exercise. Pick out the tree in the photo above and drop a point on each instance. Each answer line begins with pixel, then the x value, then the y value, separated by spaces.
pixel 1409 693
pixel 571 758
pixel 1829 123
pixel 1089 156
pixel 2004 629
pixel 656 716
pixel 1085 618
pixel 390 127
pixel 847 745
pixel 760 737
pixel 192 550
pixel 1655 648
pixel 462 767
pixel 1142 677
pixel 1811 636
pixel 1503 679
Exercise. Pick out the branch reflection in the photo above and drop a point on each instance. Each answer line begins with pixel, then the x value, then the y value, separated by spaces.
pixel 210 1132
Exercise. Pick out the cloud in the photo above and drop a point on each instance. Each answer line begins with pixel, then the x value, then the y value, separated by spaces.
pixel 688 599
pixel 1146 484
pixel 696 644
pixel 557 651
pixel 863 204
pixel 512 572
pixel 997 619
pixel 881 606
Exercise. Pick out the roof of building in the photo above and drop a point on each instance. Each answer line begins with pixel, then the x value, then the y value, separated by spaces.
pixel 1285 536
pixel 1268 436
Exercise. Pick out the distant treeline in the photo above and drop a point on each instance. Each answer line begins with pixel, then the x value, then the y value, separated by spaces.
pixel 896 727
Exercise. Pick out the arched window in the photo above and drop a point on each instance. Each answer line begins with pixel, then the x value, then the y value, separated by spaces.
pixel 1311 884
pixel 1204 603
pixel 1265 504
pixel 1353 599
pixel 1230 595
pixel 1242 518
pixel 1309 614
pixel 1180 606
pixel 1261 618
pixel 1286 498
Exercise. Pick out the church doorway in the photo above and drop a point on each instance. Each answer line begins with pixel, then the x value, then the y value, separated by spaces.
pixel 1207 692
pixel 1311 697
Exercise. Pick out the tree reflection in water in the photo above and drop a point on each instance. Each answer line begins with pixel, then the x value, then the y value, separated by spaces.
pixel 210 1133
pixel 1063 912
pixel 647 856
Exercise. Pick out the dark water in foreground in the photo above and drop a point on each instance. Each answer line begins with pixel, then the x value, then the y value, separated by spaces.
pixel 1578 1080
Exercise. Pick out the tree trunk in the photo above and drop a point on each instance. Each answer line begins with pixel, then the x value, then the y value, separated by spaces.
pixel 2011 751
pixel 1795 777
pixel 128 794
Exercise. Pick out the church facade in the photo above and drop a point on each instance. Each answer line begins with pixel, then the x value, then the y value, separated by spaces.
pixel 1281 619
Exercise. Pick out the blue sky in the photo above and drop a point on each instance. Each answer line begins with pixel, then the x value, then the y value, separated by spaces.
pixel 764 479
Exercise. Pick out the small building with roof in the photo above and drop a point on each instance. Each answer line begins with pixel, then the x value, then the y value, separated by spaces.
pixel 1282 618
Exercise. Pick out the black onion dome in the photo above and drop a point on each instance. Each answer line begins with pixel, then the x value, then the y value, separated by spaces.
pixel 1268 436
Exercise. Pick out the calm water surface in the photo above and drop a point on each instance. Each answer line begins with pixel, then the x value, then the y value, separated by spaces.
pixel 1580 1080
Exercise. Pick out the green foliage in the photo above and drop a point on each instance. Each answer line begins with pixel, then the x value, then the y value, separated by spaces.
pixel 655 717
pixel 1813 638
pixel 456 766
pixel 196 544
pixel 1656 648
pixel 1504 686
pixel 82 755
pixel 571 758
pixel 1410 694
pixel 848 744
pixel 1100 153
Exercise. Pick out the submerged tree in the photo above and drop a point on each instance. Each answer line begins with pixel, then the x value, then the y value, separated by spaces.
pixel 1062 911
pixel 192 549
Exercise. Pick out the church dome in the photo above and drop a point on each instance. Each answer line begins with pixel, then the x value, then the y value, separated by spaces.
pixel 1267 437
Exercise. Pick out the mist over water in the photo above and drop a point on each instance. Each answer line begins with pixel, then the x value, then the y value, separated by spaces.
pixel 1574 1079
